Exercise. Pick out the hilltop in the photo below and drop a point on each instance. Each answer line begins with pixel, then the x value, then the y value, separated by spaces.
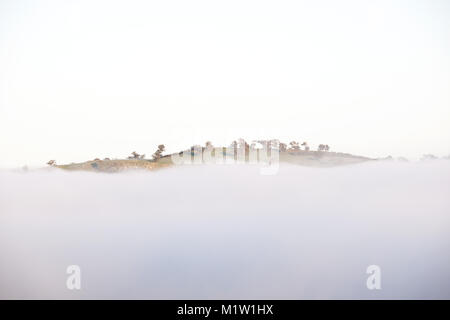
pixel 294 154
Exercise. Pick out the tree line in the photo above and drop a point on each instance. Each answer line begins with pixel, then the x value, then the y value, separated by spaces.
pixel 294 146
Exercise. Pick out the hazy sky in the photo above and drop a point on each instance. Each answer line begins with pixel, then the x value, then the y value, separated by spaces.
pixel 86 79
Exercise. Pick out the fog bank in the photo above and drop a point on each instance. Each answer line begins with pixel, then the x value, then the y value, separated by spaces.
pixel 219 232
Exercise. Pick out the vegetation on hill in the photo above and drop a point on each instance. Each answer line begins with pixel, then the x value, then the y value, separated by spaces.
pixel 294 153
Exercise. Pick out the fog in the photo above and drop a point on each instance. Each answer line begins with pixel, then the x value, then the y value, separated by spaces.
pixel 222 232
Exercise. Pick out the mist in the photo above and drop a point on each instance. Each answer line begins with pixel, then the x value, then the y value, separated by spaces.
pixel 227 232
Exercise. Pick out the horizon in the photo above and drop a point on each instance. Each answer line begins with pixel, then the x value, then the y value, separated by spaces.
pixel 101 78
pixel 149 155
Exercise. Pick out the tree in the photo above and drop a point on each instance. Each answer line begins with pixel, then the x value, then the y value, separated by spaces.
pixel 274 144
pixel 294 146
pixel 196 149
pixel 233 146
pixel 134 155
pixel 159 152
pixel 305 145
pixel 208 145
pixel 264 144
pixel 242 144
pixel 258 144
pixel 427 157
pixel 52 163
pixel 283 147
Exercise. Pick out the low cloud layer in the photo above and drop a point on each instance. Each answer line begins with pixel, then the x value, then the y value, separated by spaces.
pixel 212 232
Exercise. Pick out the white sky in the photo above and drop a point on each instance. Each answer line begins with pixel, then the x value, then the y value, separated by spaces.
pixel 86 79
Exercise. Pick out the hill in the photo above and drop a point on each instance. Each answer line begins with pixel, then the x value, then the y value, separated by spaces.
pixel 298 157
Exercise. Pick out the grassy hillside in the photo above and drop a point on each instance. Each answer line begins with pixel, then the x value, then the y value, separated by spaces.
pixel 320 158
pixel 114 165
pixel 299 157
